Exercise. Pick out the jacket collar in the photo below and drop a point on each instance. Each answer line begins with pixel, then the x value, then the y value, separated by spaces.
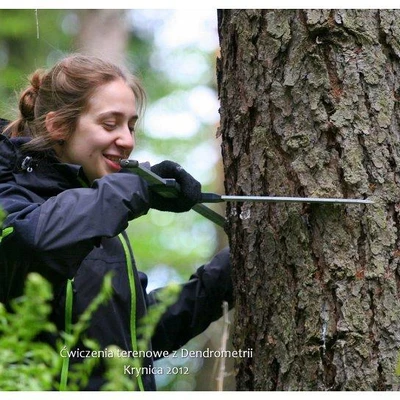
pixel 37 172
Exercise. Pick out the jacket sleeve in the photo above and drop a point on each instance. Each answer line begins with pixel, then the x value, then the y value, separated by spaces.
pixel 199 304
pixel 72 223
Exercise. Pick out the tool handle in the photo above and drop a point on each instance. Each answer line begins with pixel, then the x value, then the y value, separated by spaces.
pixel 211 198
pixel 171 189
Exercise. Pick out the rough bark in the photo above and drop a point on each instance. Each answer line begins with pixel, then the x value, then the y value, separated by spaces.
pixel 309 107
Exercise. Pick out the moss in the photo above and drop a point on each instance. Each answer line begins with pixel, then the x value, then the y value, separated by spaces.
pixel 354 172
pixel 317 18
pixel 277 26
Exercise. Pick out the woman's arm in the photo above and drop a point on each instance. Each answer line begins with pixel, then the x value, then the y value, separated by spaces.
pixel 199 304
pixel 74 215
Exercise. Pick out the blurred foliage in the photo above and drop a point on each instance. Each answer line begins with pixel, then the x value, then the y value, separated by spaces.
pixel 28 364
pixel 183 241
pixel 21 51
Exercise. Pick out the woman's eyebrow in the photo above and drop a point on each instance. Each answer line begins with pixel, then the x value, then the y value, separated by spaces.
pixel 117 114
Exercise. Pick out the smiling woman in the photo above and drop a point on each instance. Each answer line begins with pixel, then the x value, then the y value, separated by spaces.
pixel 51 105
pixel 68 204
pixel 104 133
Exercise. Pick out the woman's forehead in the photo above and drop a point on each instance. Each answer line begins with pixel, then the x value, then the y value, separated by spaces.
pixel 114 97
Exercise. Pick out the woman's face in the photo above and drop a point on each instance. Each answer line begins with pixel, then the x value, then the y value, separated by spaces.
pixel 105 132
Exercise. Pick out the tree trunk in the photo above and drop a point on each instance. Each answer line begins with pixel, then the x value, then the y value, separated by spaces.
pixel 309 107
pixel 103 33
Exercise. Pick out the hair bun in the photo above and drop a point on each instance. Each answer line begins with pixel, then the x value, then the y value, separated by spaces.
pixel 28 98
pixel 36 81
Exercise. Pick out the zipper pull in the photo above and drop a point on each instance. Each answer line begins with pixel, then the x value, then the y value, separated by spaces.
pixel 27 164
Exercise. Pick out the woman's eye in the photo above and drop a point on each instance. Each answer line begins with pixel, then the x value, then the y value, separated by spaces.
pixel 109 126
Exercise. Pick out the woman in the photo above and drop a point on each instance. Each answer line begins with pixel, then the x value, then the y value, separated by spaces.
pixel 68 203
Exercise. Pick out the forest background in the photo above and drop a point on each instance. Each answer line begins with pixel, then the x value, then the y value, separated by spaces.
pixel 173 52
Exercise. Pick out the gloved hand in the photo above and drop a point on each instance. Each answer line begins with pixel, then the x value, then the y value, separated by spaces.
pixel 216 276
pixel 190 188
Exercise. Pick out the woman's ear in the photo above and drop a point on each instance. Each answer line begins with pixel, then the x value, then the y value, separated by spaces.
pixel 52 126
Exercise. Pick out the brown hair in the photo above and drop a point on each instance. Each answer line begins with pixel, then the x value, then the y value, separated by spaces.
pixel 65 89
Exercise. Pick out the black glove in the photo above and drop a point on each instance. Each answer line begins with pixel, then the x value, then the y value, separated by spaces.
pixel 216 277
pixel 190 188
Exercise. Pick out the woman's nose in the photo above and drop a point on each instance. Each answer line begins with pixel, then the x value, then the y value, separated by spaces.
pixel 126 139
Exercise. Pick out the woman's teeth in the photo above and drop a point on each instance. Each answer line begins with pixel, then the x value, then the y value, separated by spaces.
pixel 115 159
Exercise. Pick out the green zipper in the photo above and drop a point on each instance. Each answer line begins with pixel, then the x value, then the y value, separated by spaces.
pixel 132 287
pixel 68 329
pixel 68 315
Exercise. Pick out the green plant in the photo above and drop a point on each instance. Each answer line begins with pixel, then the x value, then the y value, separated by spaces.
pixel 2 217
pixel 28 364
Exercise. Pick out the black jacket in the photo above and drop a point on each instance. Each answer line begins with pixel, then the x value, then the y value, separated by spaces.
pixel 58 227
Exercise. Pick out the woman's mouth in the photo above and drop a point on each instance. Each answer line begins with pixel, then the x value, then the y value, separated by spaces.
pixel 113 161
